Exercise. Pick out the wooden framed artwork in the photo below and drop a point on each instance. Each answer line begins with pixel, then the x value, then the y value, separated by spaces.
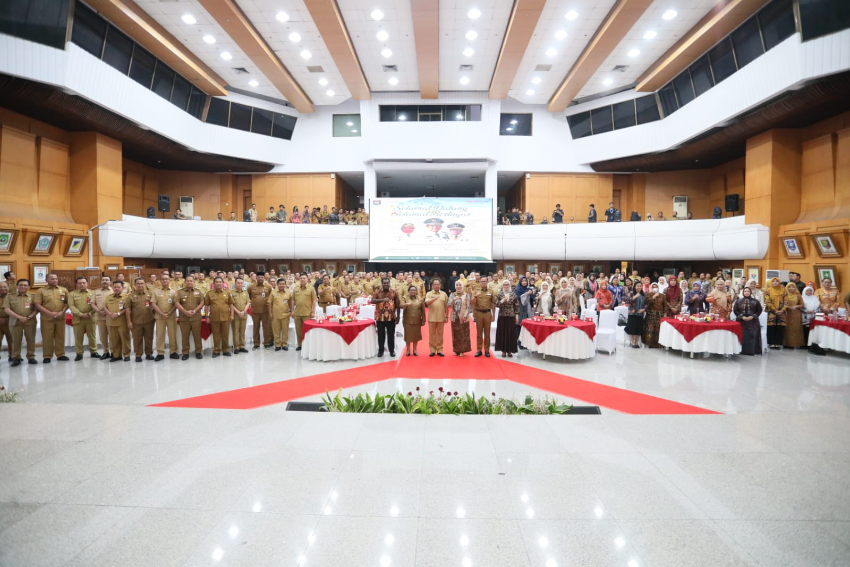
pixel 76 246
pixel 307 268
pixel 351 268
pixel 282 268
pixel 578 269
pixel 826 246
pixel 261 268
pixel 792 246
pixel 330 268
pixel 597 269
pixel 39 273
pixel 237 267
pixel 8 237
pixel 510 268
pixel 554 268
pixel 826 272
pixel 531 268
pixel 667 272
pixel 193 270
pixel 44 243
pixel 6 266
pixel 753 273
pixel 737 273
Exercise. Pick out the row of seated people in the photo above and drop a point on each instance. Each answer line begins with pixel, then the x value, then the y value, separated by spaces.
pixel 306 215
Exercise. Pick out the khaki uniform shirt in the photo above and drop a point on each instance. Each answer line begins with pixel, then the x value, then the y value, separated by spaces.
pixel 327 294
pixel 141 311
pixel 116 304
pixel 166 300
pixel 484 299
pixel 420 285
pixel 367 288
pixel 271 217
pixel 279 303
pixel 191 299
pixel 302 299
pixel 218 304
pixel 437 310
pixel 239 299
pixel 23 305
pixel 259 295
pixel 99 300
pixel 80 304
pixel 52 298
pixel 4 318
pixel 151 287
pixel 325 217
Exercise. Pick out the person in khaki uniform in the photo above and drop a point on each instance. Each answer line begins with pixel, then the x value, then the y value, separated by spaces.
pixel 280 307
pixel 219 314
pixel 20 307
pixel 118 322
pixel 484 308
pixel 259 295
pixel 190 303
pixel 327 294
pixel 99 306
pixel 4 319
pixel 141 320
pixel 52 302
pixel 239 310
pixel 80 301
pixel 152 284
pixel 437 302
pixel 164 308
pixel 304 301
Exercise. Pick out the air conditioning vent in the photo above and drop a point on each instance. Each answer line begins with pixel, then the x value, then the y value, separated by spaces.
pixel 241 71
pixel 390 68
pixel 315 69
pixel 542 68
pixel 466 67
pixel 620 68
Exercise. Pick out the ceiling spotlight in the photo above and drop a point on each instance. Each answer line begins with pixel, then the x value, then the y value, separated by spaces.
pixel 393 81
pixel 607 82
pixel 294 37
pixel 253 83
pixel 209 39
pixel 649 35
pixel 354 131
pixel 189 18
pixel 474 14
pixel 281 17
pixel 377 15
pixel 513 121
pixel 471 35
pixel 306 54
pixel 459 117
pixel 349 123
pixel 634 52
pixel 464 80
pixel 536 81
pixel 560 34
pixel 382 35
pixel 386 53
pixel 323 82
pixel 571 15
pixel 551 52
pixel 329 92
pixel 509 129
pixel 669 14
pixel 226 56
pixel 402 117
pixel 469 52
pixel 529 92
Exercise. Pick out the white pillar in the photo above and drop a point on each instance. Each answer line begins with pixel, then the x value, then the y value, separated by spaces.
pixel 491 186
pixel 370 186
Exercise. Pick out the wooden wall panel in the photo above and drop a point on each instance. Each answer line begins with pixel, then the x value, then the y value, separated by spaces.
pixel 574 192
pixel 842 173
pixel 818 179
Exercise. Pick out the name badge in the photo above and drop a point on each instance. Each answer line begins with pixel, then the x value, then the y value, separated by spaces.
pixel 197 294
pixel 61 298
pixel 26 305
pixel 169 300
pixel 120 306
pixel 88 300
pixel 263 294
pixel 147 303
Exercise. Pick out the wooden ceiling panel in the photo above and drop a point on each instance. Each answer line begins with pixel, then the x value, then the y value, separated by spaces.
pixel 426 34
pixel 524 17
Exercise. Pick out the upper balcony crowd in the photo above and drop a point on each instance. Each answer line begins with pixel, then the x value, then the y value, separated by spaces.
pixel 515 216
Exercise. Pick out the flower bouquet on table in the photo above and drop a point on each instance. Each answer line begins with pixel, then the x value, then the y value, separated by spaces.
pixel 701 319
pixel 344 319
pixel 562 319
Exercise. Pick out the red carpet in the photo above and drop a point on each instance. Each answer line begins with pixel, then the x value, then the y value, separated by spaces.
pixel 464 368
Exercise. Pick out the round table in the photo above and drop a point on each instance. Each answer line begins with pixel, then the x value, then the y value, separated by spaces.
pixel 833 335
pixel 573 340
pixel 354 340
pixel 694 336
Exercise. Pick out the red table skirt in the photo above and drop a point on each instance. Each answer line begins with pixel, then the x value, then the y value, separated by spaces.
pixel 843 326
pixel 540 330
pixel 691 329
pixel 348 331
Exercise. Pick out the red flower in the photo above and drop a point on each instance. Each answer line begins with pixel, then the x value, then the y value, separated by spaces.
pixel 431 392
pixel 494 393
pixel 417 388
pixel 455 394
pixel 410 393
pixel 440 388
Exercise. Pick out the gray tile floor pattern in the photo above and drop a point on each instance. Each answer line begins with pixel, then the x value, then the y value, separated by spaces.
pixel 89 476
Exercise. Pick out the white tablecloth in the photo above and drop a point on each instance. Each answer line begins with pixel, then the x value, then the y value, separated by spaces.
pixel 570 343
pixel 714 342
pixel 324 345
pixel 827 337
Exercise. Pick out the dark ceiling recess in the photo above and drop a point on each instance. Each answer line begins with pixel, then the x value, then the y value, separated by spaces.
pixel 76 114
pixel 812 103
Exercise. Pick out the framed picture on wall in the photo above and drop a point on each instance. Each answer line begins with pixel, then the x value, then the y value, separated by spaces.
pixel 180 268
pixel 39 273
pixel 193 270
pixel 282 268
pixel 44 243
pixel 753 273
pixel 826 272
pixel 351 268
pixel 554 268
pixel 7 267
pixel 531 268
pixel 307 268
pixel 666 272
pixel 261 268
pixel 597 268
pixel 8 237
pixel 770 274
pixel 737 274
pixel 578 269
pixel 792 247
pixel 237 267
pixel 826 246
pixel 510 269
pixel 76 246
pixel 330 268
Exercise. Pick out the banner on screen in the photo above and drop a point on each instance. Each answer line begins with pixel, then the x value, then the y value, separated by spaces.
pixel 434 230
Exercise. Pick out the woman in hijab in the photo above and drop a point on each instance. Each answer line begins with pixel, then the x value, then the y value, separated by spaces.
pixel 720 300
pixel 637 307
pixel 811 305
pixel 674 296
pixel 793 317
pixel 755 291
pixel 616 291
pixel 656 308
pixel 590 287
pixel 662 284
pixel 565 296
pixel 295 218
pixel 508 320
pixel 524 294
pixel 545 304
pixel 413 319
pixel 747 310
pixel 459 302
pixel 604 299
pixel 774 303
pixel 695 299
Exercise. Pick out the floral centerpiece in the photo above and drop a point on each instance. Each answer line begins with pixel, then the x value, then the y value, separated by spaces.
pixel 344 319
pixel 704 319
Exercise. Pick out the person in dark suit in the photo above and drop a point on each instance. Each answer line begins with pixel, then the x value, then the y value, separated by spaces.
pixel 591 216
pixel 611 213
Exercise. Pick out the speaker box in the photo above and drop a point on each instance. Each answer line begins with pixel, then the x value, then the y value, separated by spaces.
pixel 732 203
pixel 164 203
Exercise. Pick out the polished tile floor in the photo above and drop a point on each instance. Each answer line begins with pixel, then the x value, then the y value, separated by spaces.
pixel 90 476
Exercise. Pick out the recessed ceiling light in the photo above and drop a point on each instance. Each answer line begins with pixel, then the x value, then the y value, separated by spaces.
pixel 349 123
pixel 306 54
pixel 551 52
pixel 474 14
pixel 226 56
pixel 469 52
pixel 571 15
pixel 529 92
pixel 560 34
pixel 294 37
pixel 323 82
pixel 386 53
pixel 253 83
pixel 509 129
pixel 209 39
pixel 669 14
pixel 402 117
pixel 281 17
pixel 189 18
pixel 330 93
pixel 382 35
pixel 459 117
pixel 607 81
pixel 471 35
pixel 464 80
pixel 649 35
pixel 536 80
pixel 377 15
pixel 634 52
pixel 393 81
pixel 354 131
pixel 513 121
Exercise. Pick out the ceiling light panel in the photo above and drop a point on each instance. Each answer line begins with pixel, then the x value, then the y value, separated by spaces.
pixel 455 23
pixel 397 22
pixel 667 33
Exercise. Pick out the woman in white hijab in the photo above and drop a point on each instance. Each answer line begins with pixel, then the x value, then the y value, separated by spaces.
pixel 662 285
pixel 545 301
pixel 811 305
pixel 565 296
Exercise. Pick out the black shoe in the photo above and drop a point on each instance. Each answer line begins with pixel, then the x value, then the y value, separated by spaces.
pixel 148 357
pixel 106 356
pixel 255 347
pixel 78 358
pixel 380 354
pixel 226 353
pixel 392 353
pixel 184 357
pixel 237 350
pixel 433 354
pixel 216 355
pixel 440 354
pixel 30 361
pixel 138 359
pixel 199 356
pixel 277 349
pixel 245 350
pixel 126 359
pixel 46 361
pixel 16 362
pixel 477 354
pixel 95 355
pixel 487 354
pixel 63 358
pixel 175 356
pixel 267 347
pixel 297 348
pixel 159 358
pixel 113 359
pixel 285 347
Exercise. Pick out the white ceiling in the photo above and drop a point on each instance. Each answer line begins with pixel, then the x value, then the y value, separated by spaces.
pixel 410 179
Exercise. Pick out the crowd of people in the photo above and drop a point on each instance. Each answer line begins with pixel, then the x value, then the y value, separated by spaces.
pixel 307 215
pixel 139 310
pixel 515 216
